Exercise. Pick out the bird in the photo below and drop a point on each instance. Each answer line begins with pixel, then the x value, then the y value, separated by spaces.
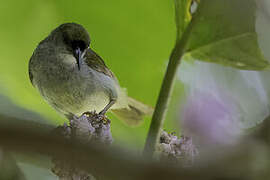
pixel 74 79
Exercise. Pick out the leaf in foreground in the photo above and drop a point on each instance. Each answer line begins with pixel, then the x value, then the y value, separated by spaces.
pixel 224 32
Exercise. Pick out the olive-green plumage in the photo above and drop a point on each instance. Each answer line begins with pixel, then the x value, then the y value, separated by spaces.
pixel 74 79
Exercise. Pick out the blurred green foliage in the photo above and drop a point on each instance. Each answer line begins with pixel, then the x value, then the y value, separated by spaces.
pixel 133 37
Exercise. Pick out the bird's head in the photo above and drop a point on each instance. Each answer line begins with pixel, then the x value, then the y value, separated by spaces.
pixel 75 39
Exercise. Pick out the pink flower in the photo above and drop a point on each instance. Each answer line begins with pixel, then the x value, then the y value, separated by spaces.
pixel 209 119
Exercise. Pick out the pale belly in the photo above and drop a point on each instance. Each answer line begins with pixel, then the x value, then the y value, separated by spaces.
pixel 78 92
pixel 77 101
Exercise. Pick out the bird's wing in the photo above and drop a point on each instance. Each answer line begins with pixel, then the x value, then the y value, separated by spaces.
pixel 95 62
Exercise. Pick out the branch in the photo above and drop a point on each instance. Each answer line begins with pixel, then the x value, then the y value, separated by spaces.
pixel 246 160
pixel 22 136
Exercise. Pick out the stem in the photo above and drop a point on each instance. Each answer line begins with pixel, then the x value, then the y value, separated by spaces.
pixel 165 92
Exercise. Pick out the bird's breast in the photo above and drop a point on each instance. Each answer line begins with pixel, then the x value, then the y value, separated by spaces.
pixel 70 90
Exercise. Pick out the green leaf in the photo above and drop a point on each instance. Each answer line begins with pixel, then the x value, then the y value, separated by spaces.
pixel 223 32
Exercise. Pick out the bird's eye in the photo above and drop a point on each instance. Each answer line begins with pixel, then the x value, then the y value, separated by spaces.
pixel 78 44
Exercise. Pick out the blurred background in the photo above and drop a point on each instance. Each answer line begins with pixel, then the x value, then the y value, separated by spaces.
pixel 134 39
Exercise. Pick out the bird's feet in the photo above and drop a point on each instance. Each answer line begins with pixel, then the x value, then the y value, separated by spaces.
pixel 98 116
pixel 89 113
pixel 102 113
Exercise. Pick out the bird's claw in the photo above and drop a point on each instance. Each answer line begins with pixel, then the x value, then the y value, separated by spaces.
pixel 100 116
pixel 89 113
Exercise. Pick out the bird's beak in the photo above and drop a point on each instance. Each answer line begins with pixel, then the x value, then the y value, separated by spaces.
pixel 79 56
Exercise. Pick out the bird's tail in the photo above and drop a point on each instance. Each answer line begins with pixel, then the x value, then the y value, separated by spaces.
pixel 134 113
